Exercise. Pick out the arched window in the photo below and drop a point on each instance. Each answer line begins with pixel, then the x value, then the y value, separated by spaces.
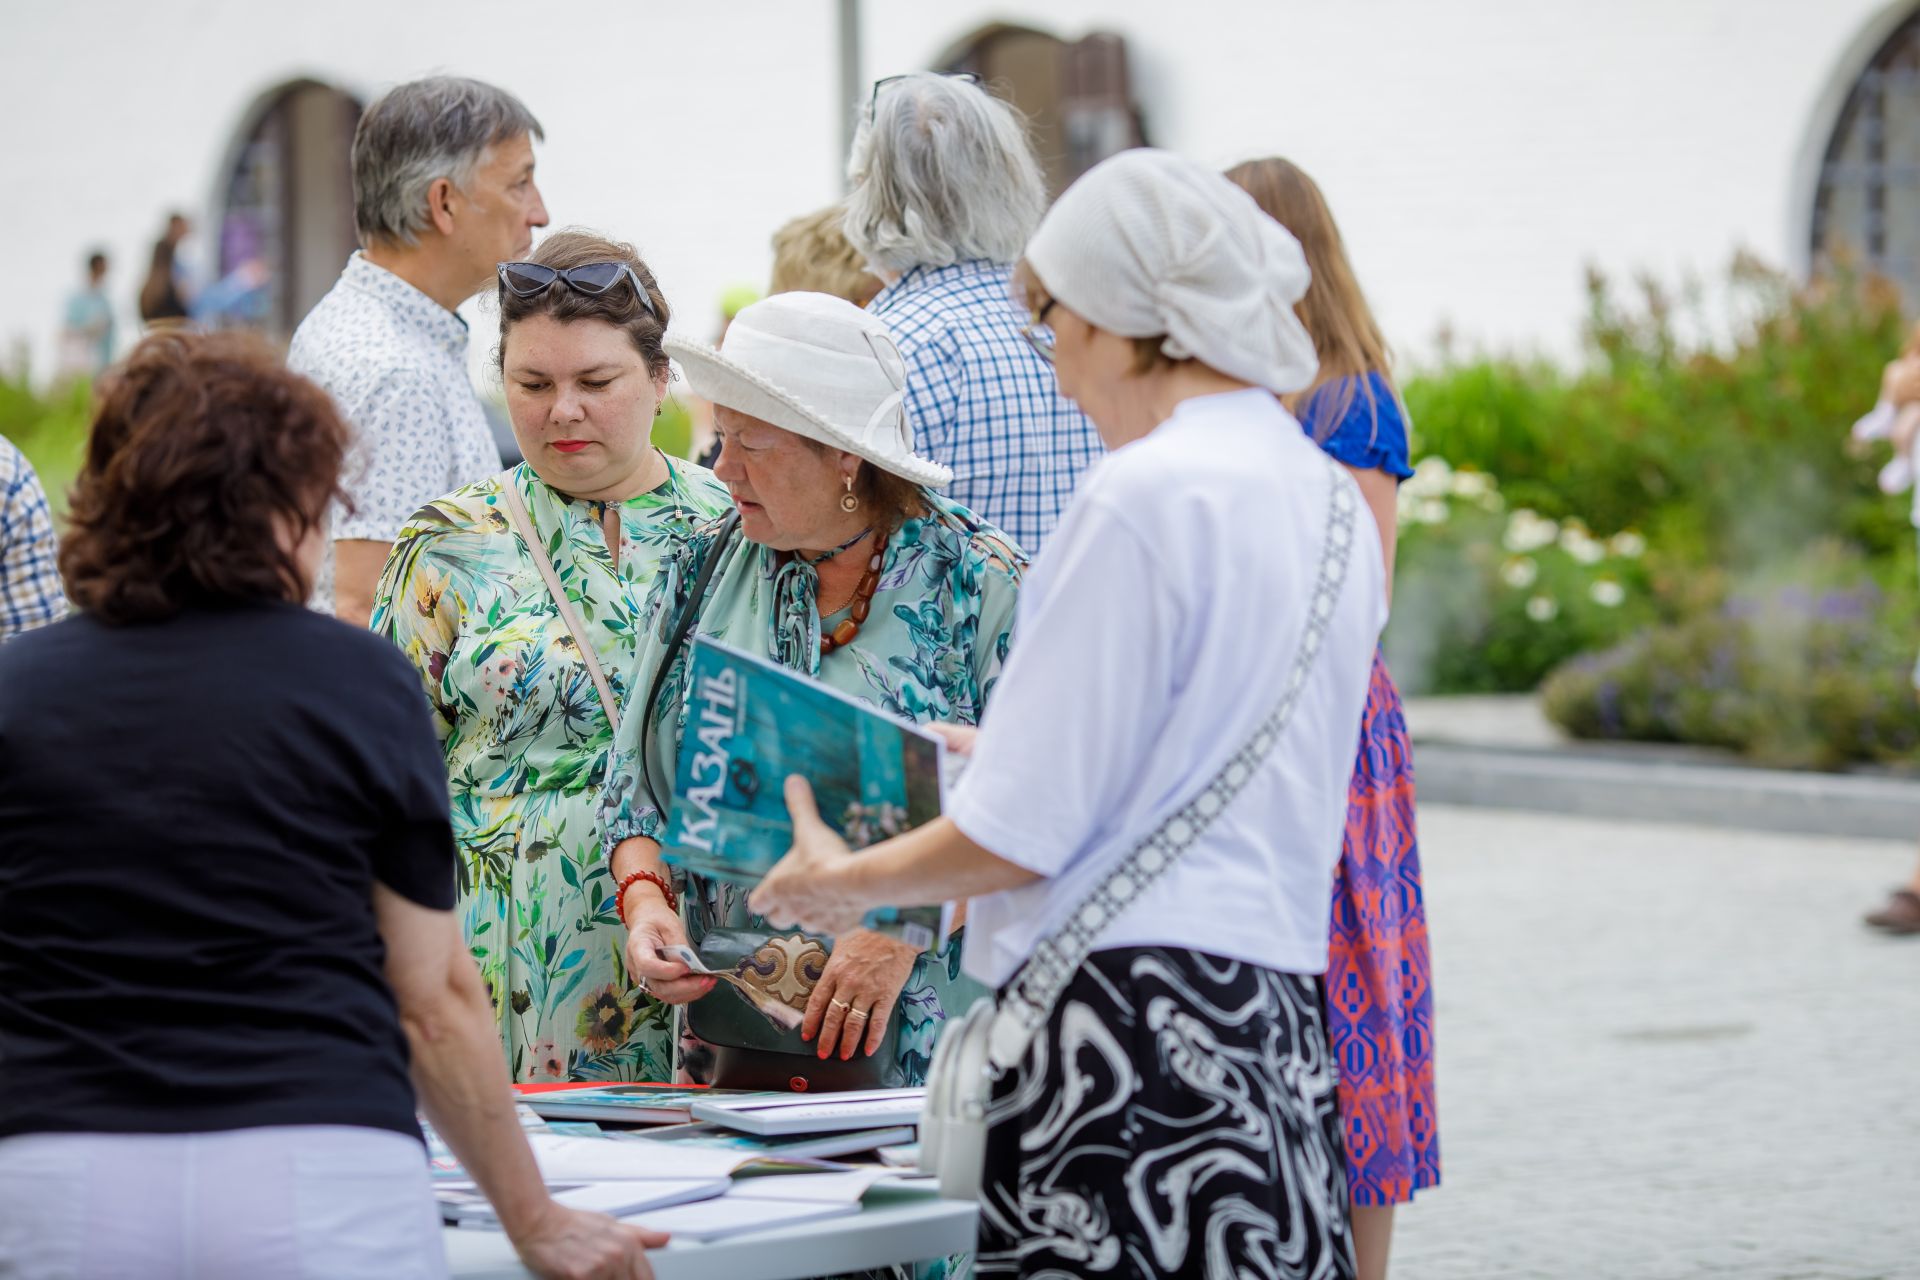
pixel 286 207
pixel 1077 97
pixel 1866 205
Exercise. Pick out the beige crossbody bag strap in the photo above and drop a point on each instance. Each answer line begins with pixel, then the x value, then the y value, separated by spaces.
pixel 523 523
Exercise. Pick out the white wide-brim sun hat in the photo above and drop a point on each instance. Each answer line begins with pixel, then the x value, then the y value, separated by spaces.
pixel 817 366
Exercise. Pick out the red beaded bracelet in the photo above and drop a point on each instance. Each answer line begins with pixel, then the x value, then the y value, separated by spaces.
pixel 620 894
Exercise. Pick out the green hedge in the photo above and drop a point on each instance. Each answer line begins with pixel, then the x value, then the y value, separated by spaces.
pixel 50 429
pixel 1489 599
pixel 1815 671
pixel 1726 457
pixel 1727 460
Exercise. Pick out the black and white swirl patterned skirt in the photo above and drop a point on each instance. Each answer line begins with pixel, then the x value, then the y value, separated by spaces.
pixel 1176 1118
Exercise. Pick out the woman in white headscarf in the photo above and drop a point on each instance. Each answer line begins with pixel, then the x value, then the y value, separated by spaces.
pixel 1149 821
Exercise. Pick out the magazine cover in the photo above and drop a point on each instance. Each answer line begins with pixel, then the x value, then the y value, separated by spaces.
pixel 751 723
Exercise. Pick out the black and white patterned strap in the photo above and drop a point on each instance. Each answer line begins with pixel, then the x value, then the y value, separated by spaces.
pixel 1028 1000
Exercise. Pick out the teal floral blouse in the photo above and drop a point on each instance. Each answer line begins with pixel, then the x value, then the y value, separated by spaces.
pixel 931 650
pixel 527 745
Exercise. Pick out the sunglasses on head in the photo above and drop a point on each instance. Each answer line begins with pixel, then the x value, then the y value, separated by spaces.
pixel 530 279
pixel 884 81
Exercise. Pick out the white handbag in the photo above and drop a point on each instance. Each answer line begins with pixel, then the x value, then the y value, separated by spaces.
pixel 976 1051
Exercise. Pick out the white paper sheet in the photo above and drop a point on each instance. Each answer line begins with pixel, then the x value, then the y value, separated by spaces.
pixel 622 1197
pixel 811 1188
pixel 823 1113
pixel 767 1101
pixel 732 1215
pixel 564 1159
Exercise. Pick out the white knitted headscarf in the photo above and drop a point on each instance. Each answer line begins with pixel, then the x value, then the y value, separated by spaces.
pixel 1149 243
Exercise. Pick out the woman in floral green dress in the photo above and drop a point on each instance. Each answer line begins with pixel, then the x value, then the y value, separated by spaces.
pixel 846 567
pixel 522 724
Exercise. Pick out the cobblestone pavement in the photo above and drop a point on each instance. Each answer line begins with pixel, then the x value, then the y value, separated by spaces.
pixel 1666 1052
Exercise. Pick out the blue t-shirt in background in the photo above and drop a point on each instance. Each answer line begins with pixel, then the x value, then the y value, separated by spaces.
pixel 1371 434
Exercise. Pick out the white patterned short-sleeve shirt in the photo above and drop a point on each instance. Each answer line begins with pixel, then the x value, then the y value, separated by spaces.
pixel 395 362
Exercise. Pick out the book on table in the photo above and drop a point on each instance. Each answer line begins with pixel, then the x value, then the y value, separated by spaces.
pixel 626 1103
pixel 468 1206
pixel 776 1114
pixel 811 1146
pixel 724 1216
pixel 445 1167
pixel 567 1159
pixel 765 1202
pixel 750 724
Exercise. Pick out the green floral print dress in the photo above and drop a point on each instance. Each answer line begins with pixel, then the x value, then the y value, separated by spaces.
pixel 931 650
pixel 527 745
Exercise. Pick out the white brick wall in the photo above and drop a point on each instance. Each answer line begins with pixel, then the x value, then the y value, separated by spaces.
pixel 1477 152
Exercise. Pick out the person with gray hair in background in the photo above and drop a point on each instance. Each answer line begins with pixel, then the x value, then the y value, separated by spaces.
pixel 1147 825
pixel 945 193
pixel 442 191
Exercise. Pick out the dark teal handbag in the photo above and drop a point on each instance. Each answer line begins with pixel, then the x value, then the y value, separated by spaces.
pixel 750 1050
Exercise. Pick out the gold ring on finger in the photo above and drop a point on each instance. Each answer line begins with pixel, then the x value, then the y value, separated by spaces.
pixel 840 1004
pixel 857 1013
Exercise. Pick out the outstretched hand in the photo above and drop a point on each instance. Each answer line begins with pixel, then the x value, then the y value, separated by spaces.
pixel 958 737
pixel 570 1244
pixel 811 886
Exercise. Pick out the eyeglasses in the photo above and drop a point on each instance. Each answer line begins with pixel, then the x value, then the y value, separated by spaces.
pixel 884 81
pixel 1037 334
pixel 531 279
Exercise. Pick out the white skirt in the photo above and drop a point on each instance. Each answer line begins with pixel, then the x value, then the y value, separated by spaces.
pixel 307 1201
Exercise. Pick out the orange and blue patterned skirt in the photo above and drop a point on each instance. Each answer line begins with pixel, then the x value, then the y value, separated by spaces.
pixel 1379 988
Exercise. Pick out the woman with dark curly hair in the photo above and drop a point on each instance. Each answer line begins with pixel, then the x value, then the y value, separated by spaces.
pixel 228 956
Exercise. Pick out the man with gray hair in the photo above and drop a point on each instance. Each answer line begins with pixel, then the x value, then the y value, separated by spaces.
pixel 945 192
pixel 442 191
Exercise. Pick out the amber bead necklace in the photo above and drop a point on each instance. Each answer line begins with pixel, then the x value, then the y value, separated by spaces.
pixel 862 598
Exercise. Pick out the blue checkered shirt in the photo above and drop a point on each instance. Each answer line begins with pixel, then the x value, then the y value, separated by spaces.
pixel 30 594
pixel 984 402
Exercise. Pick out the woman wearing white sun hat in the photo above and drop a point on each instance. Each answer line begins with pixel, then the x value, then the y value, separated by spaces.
pixel 1148 826
pixel 843 564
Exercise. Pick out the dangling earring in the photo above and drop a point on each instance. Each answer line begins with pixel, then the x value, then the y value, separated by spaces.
pixel 848 502
pixel 659 409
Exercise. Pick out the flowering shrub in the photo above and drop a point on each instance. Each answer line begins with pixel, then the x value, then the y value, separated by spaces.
pixel 1488 599
pixel 1814 673
pixel 1721 453
pixel 1678 526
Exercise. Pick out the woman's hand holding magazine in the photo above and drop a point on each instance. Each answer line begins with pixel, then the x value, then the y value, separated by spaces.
pixel 654 928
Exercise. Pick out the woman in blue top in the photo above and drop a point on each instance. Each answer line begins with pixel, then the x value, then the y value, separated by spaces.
pixel 1379 992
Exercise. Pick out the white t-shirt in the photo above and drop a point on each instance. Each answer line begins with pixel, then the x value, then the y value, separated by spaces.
pixel 1151 639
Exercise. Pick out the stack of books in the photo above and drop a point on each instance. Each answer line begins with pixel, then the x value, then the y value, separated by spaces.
pixel 798 1126
pixel 707 1163
pixel 619 1103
